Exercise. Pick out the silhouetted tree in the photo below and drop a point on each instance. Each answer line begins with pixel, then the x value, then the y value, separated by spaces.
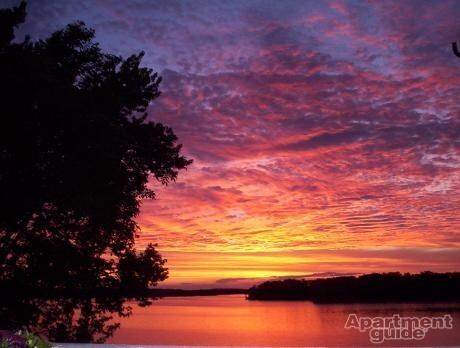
pixel 10 19
pixel 76 153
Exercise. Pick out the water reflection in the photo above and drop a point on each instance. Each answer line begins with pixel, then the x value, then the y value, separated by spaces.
pixel 227 320
pixel 66 319
pixel 230 320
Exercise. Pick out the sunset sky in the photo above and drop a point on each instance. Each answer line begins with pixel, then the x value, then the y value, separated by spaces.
pixel 325 135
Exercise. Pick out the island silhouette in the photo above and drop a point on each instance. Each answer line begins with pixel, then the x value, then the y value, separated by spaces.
pixel 376 287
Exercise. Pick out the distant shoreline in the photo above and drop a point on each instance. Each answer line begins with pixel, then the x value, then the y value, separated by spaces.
pixel 155 292
pixel 368 288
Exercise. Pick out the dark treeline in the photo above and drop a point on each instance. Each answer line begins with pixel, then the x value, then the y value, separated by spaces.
pixel 385 287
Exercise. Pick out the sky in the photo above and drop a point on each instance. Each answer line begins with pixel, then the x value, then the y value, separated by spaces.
pixel 325 134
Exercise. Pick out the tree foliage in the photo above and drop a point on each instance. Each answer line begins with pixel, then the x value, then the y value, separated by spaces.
pixel 76 154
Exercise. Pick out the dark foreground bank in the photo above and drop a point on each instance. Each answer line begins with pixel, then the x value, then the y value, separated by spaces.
pixel 385 287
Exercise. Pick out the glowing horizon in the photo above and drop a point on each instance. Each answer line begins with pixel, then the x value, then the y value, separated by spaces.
pixel 325 135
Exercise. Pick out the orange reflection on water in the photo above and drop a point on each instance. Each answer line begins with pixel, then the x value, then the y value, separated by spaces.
pixel 231 320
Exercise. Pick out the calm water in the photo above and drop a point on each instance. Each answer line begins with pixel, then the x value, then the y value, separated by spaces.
pixel 231 320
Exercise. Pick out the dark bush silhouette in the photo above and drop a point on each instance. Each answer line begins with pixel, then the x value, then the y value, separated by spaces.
pixel 385 287
pixel 65 319
pixel 76 153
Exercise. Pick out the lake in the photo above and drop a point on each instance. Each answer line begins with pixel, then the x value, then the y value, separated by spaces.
pixel 231 320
